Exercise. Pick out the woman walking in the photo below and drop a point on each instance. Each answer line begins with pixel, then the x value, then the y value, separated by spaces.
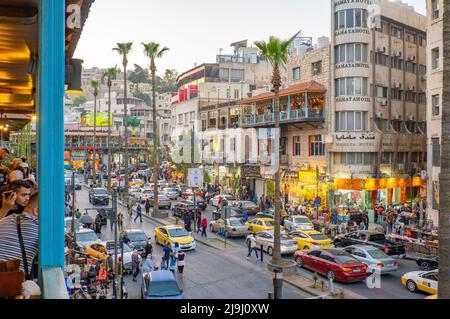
pixel 180 261
pixel 147 206
pixel 204 225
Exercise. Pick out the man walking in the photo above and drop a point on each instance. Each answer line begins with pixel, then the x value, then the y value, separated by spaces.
pixel 166 255
pixel 138 213
pixel 204 224
pixel 147 207
pixel 252 246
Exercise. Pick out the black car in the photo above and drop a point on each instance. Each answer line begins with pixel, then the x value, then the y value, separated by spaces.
pixel 428 262
pixel 99 196
pixel 179 209
pixel 372 238
pixel 199 201
pixel 138 239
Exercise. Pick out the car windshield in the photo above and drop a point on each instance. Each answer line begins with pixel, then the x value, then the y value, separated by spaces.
pixel 249 204
pixel 268 223
pixel 178 232
pixel 377 237
pixel 171 190
pixel 164 289
pixel 88 236
pixel 163 197
pixel 377 254
pixel 236 222
pixel 346 259
pixel 302 220
pixel 318 237
pixel 148 192
pixel 137 236
pixel 286 237
pixel 100 192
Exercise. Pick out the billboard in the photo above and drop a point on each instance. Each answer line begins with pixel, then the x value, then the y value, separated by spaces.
pixel 102 119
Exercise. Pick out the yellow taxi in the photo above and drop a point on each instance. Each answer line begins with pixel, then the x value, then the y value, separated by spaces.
pixel 97 250
pixel 261 224
pixel 114 182
pixel 174 234
pixel 432 297
pixel 306 239
pixel 426 281
pixel 136 182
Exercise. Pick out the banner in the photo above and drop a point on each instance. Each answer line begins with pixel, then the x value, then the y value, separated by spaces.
pixel 375 183
pixel 102 119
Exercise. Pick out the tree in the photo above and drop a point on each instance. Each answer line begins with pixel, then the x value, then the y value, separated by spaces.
pixel 124 49
pixel 206 178
pixel 169 81
pixel 79 100
pixel 444 177
pixel 95 86
pixel 109 74
pixel 154 51
pixel 139 75
pixel 275 51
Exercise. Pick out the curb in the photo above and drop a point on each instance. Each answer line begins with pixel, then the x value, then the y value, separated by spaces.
pixel 302 288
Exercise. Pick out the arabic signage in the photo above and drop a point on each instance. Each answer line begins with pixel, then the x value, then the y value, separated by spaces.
pixel 368 136
pixel 248 171
pixel 375 183
pixel 355 142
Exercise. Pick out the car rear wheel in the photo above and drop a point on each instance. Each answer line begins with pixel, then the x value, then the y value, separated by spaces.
pixel 425 265
pixel 331 275
pixel 211 228
pixel 305 248
pixel 411 286
pixel 269 251
pixel 338 244
pixel 156 240
pixel 299 261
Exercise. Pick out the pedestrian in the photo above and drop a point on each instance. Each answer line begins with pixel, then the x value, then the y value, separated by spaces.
pixel 204 225
pixel 166 255
pixel 147 206
pixel 181 261
pixel 221 224
pixel 138 213
pixel 245 216
pixel 148 264
pixel 98 224
pixel 380 215
pixel 199 220
pixel 172 262
pixel 252 246
pixel 135 264
pixel 362 226
pixel 148 249
pixel 120 221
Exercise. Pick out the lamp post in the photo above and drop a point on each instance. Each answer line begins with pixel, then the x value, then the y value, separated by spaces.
pixel 277 283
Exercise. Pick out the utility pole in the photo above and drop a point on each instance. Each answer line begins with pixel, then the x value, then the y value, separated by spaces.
pixel 193 165
pixel 114 220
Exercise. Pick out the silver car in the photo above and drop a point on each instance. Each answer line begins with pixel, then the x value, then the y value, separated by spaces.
pixel 296 222
pixel 374 258
pixel 266 239
pixel 234 227
pixel 172 193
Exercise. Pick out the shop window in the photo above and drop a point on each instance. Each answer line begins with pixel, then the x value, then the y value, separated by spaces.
pixel 283 145
pixel 296 146
pixel 316 146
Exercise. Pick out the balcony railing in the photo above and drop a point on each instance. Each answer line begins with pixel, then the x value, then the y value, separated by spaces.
pixel 300 115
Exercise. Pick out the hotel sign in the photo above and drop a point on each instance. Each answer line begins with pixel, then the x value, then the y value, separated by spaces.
pixel 342 2
pixel 352 31
pixel 352 65
pixel 355 142
pixel 352 99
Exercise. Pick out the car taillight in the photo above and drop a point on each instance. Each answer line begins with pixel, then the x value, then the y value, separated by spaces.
pixel 364 267
pixel 347 269
pixel 386 250
pixel 380 265
pixel 234 229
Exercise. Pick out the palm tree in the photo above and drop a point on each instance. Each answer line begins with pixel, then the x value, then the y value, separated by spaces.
pixel 124 49
pixel 154 51
pixel 275 51
pixel 95 86
pixel 109 74
pixel 444 179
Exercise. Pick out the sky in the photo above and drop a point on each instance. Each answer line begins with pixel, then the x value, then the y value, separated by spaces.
pixel 195 30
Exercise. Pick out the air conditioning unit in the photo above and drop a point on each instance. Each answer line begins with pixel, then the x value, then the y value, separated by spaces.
pixel 412 58
pixel 411 117
pixel 397 117
pixel 397 85
pixel 383 102
pixel 401 166
pixel 381 49
pixel 423 77
pixel 379 115
pixel 397 53
pixel 411 88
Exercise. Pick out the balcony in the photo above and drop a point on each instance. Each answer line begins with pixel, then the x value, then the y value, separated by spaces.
pixel 295 116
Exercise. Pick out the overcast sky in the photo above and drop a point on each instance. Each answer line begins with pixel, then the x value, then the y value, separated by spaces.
pixel 195 30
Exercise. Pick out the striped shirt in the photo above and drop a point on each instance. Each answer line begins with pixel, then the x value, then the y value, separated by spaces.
pixel 9 239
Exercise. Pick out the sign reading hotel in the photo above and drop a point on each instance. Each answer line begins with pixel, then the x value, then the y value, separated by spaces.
pixel 352 31
pixel 352 99
pixel 342 2
pixel 352 65
pixel 355 141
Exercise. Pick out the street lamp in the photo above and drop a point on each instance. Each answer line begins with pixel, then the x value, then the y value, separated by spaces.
pixel 277 283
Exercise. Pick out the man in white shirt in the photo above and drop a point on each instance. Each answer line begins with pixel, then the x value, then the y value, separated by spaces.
pixel 252 246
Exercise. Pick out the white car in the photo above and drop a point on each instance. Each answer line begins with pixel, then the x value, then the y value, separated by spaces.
pixel 292 223
pixel 135 191
pixel 375 259
pixel 426 281
pixel 86 237
pixel 172 193
pixel 288 245
pixel 127 252
pixel 215 200
pixel 147 194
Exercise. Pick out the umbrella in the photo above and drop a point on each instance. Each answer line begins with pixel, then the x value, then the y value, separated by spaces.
pixel 86 219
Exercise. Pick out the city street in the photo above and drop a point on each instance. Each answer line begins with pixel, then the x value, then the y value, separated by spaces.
pixel 209 272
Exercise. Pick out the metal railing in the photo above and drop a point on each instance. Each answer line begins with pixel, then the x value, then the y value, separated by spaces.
pixel 284 117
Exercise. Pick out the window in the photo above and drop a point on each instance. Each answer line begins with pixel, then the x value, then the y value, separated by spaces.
pixel 296 74
pixel 382 59
pixel 180 118
pixel 396 32
pixel 422 69
pixel 283 145
pixel 422 41
pixel 397 94
pixel 397 63
pixel 410 96
pixel 435 9
pixel 192 116
pixel 357 158
pixel 316 146
pixel 435 58
pixel 410 67
pixel 351 121
pixel 387 157
pixel 236 94
pixel 233 144
pixel 410 37
pixel 186 118
pixel 316 68
pixel 435 104
pixel 224 74
pixel 382 91
pixel 351 52
pixel 422 98
pixel 297 146
pixel 351 18
pixel 237 75
pixel 436 149
pixel 351 86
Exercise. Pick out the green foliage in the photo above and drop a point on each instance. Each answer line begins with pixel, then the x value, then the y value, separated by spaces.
pixel 134 122
pixel 206 178
pixel 139 75
pixel 270 188
pixel 81 99
pixel 275 51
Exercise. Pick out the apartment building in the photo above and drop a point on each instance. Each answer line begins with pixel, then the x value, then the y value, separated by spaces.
pixel 435 9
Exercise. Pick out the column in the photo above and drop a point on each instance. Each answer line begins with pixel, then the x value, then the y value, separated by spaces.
pixel 289 108
pixel 306 105
pixel 50 155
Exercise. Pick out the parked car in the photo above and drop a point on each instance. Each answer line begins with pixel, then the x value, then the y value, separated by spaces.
pixel 138 239
pixel 127 252
pixel 234 227
pixel 137 182
pixel 248 206
pixel 199 201
pixel 426 281
pixel 375 259
pixel 160 284
pixel 172 193
pixel 163 201
pixel 296 222
pixel 135 191
pixel 428 262
pixel 266 240
pixel 335 264
pixel 99 196
pixel 261 224
pixel 215 200
pixel 172 234
pixel 147 194
pixel 309 239
pixel 180 208
pixel 86 237
pixel 372 238
pixel 270 213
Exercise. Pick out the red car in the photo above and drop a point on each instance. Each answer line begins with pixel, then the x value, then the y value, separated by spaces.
pixel 333 263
